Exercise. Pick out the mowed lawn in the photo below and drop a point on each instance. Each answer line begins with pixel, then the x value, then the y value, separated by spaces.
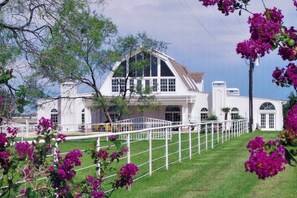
pixel 218 172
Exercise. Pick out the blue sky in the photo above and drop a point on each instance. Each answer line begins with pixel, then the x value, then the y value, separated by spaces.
pixel 203 39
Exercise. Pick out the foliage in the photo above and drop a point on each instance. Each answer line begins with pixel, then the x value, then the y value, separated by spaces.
pixel 212 117
pixel 27 171
pixel 292 100
pixel 268 33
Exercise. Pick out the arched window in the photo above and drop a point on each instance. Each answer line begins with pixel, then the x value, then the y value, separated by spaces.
pixel 234 113
pixel 54 116
pixel 173 113
pixel 204 114
pixel 267 106
pixel 83 116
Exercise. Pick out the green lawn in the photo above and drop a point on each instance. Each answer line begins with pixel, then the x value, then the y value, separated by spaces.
pixel 218 172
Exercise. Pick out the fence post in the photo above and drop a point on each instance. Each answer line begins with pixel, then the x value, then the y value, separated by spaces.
pixel 190 141
pixel 212 135
pixel 166 148
pixel 97 149
pixel 223 136
pixel 218 133
pixel 129 149
pixel 199 141
pixel 27 128
pixel 150 153
pixel 179 144
pixel 55 155
pixel 218 130
pixel 206 138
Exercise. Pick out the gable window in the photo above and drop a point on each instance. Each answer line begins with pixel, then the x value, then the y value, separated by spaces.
pixel 204 114
pixel 54 116
pixel 267 106
pixel 164 85
pixel 165 71
pixel 234 113
pixel 171 84
pixel 155 85
pixel 83 116
pixel 154 66
pixel 132 85
pixel 114 85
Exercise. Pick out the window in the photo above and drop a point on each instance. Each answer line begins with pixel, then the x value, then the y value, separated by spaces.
pixel 147 86
pixel 204 114
pixel 234 113
pixel 271 121
pixel 122 85
pixel 163 84
pixel 139 86
pixel 155 85
pixel 132 85
pixel 54 116
pixel 168 85
pixel 267 106
pixel 121 70
pixel 114 85
pixel 173 113
pixel 165 71
pixel 154 66
pixel 171 84
pixel 263 120
pixel 83 116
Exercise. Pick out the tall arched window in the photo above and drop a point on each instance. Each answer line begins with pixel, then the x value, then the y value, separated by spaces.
pixel 267 116
pixel 234 113
pixel 204 113
pixel 83 116
pixel 54 116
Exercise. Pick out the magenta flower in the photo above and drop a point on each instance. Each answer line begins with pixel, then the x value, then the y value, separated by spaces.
pixel 24 150
pixel 126 175
pixel 265 163
pixel 3 140
pixel 44 124
pixel 112 138
pixel 98 194
pixel 291 120
pixel 102 154
pixel 123 151
pixel 13 131
pixel 61 137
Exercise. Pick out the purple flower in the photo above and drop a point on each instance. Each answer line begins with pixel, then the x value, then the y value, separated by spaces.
pixel 24 150
pixel 61 137
pixel 44 124
pixel 126 175
pixel 71 159
pixel 97 194
pixel 112 138
pixel 102 154
pixel 94 182
pixel 3 140
pixel 23 191
pixel 12 131
pixel 265 163
pixel 291 120
pixel 113 156
pixel 123 151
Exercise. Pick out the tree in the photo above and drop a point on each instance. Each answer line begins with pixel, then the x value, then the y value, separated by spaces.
pixel 25 26
pixel 292 100
pixel 226 110
pixel 85 49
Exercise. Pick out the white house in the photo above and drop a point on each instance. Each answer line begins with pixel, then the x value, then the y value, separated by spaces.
pixel 179 93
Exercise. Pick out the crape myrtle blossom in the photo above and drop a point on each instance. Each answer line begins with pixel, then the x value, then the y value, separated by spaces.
pixel 126 175
pixel 291 120
pixel 44 125
pixel 286 76
pixel 266 158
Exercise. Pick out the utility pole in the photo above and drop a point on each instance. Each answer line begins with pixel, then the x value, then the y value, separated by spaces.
pixel 251 115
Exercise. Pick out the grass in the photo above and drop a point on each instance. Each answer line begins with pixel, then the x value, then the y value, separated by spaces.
pixel 218 172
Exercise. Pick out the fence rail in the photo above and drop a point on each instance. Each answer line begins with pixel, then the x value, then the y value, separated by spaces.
pixel 152 155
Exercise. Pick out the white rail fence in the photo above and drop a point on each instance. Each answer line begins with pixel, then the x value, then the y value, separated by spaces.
pixel 151 155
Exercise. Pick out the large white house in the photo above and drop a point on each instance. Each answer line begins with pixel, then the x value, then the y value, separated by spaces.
pixel 179 93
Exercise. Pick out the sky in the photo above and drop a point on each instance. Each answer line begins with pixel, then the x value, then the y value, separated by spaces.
pixel 203 39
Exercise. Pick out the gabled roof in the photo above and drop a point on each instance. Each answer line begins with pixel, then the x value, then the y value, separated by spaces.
pixel 189 78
